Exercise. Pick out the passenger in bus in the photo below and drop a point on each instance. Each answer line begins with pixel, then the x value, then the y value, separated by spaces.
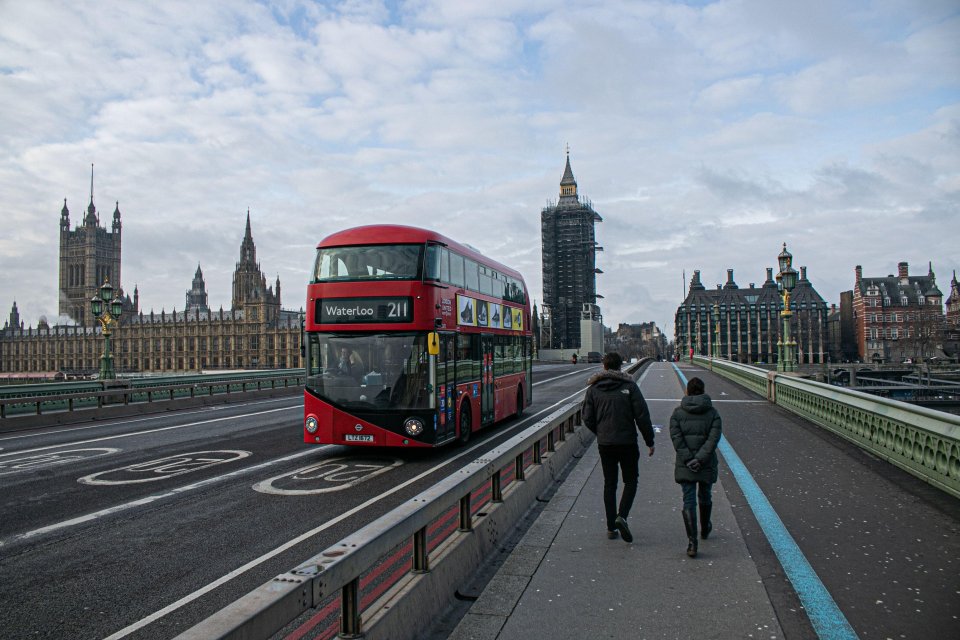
pixel 350 363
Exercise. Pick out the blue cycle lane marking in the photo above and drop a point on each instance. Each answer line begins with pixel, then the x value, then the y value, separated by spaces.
pixel 825 616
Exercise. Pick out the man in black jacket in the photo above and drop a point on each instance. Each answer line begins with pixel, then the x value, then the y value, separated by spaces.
pixel 614 409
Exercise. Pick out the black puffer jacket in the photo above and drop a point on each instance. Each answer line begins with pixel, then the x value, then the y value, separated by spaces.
pixel 695 429
pixel 614 409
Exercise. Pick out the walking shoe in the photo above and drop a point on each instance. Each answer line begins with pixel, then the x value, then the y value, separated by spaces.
pixel 621 525
pixel 612 535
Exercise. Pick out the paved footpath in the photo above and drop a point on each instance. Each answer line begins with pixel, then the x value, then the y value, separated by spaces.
pixel 565 579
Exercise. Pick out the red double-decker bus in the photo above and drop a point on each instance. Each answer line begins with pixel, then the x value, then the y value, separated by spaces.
pixel 412 340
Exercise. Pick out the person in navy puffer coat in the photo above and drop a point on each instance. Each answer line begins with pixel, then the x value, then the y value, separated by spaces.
pixel 695 429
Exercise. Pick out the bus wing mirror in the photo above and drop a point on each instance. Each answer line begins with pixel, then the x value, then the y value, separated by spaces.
pixel 433 343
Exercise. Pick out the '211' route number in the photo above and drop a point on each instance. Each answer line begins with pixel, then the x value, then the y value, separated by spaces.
pixel 396 309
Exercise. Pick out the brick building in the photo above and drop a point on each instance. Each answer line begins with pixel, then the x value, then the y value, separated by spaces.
pixel 898 318
pixel 644 340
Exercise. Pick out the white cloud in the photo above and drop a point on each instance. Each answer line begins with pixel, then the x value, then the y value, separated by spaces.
pixel 706 136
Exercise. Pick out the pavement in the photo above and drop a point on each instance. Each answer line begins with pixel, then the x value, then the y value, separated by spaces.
pixel 566 579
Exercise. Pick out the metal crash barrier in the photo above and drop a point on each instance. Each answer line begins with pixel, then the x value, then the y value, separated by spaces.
pixel 430 545
pixel 27 406
pixel 920 441
pixel 511 475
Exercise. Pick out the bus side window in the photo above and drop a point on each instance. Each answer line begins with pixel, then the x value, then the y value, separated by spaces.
pixel 456 270
pixel 486 283
pixel 314 366
pixel 497 285
pixel 499 357
pixel 431 269
pixel 517 354
pixel 468 357
pixel 471 275
pixel 445 265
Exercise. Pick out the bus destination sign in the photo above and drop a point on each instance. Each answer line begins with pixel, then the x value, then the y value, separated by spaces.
pixel 354 310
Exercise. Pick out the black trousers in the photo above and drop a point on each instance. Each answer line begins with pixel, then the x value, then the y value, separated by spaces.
pixel 623 459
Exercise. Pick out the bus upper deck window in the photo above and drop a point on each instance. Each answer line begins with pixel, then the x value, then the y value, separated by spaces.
pixel 445 265
pixel 471 275
pixel 456 270
pixel 486 283
pixel 431 269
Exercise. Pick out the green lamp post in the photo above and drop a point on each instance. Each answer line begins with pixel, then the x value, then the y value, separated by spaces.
pixel 716 330
pixel 787 279
pixel 699 341
pixel 106 309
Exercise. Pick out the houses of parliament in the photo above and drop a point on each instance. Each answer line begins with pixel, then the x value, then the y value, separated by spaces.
pixel 255 333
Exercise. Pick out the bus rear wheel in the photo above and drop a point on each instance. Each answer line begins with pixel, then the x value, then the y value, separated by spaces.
pixel 466 423
pixel 519 413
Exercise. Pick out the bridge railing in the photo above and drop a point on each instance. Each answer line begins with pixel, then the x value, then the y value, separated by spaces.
pixel 511 476
pixel 66 401
pixel 753 378
pixel 921 441
pixel 483 501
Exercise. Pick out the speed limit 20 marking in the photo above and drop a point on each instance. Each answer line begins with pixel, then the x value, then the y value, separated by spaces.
pixel 334 474
pixel 51 459
pixel 163 468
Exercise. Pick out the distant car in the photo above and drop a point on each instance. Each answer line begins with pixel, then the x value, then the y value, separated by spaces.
pixel 594 356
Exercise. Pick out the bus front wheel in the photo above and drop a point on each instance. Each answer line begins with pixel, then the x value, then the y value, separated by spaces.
pixel 466 423
pixel 519 402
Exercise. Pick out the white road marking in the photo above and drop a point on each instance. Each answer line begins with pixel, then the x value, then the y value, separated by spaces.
pixel 167 467
pixel 149 431
pixel 714 401
pixel 340 475
pixel 187 599
pixel 566 375
pixel 149 418
pixel 11 466
pixel 96 515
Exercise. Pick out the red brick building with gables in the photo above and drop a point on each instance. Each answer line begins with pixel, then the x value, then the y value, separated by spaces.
pixel 898 318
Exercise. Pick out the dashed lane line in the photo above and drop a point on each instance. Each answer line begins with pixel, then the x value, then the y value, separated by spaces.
pixel 134 434
pixel 96 515
pixel 187 599
pixel 148 418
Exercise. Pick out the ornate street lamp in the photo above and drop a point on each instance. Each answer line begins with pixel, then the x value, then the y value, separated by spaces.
pixel 698 338
pixel 106 309
pixel 787 280
pixel 716 330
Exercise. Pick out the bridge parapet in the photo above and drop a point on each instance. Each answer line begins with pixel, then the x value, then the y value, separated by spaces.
pixel 533 459
pixel 921 441
pixel 489 496
pixel 29 406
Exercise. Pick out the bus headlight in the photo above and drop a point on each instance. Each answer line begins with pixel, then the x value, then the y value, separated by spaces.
pixel 413 427
pixel 311 424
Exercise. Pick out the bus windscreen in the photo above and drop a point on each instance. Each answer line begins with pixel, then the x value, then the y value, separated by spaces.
pixel 375 262
pixel 369 371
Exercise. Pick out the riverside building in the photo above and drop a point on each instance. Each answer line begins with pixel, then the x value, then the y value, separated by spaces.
pixel 746 322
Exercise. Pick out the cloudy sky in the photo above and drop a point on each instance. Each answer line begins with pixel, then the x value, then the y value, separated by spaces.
pixel 705 133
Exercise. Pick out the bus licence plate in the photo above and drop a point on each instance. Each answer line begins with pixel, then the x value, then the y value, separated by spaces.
pixel 352 437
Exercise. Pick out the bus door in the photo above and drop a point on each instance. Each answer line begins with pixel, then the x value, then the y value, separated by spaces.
pixel 446 389
pixel 486 380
